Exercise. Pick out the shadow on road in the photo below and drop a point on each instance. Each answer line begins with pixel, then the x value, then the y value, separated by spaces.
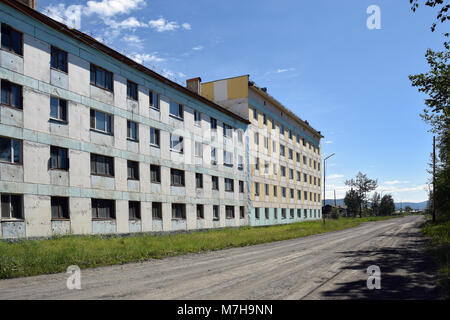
pixel 407 272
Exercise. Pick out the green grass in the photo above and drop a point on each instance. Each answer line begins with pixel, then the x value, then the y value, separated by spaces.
pixel 439 248
pixel 33 257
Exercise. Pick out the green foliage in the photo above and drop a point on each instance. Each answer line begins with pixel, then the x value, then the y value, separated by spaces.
pixel 442 16
pixel 387 205
pixel 33 257
pixel 363 185
pixel 352 201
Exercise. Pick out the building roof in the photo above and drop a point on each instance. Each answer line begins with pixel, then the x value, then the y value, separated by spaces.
pixel 88 40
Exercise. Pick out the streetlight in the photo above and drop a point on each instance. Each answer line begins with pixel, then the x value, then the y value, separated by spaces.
pixel 324 175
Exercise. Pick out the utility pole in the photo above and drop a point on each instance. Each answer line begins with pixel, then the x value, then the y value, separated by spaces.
pixel 324 189
pixel 434 179
pixel 335 198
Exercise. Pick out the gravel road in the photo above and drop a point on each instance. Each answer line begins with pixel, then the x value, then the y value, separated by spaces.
pixel 327 266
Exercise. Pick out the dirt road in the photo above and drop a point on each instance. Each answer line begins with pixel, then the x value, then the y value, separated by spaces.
pixel 327 266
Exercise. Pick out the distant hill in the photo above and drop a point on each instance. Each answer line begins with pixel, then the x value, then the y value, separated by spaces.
pixel 415 205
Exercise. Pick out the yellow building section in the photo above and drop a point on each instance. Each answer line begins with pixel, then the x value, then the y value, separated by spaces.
pixel 208 90
pixel 238 87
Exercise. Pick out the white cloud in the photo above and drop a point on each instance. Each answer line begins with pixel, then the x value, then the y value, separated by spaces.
pixel 335 176
pixel 132 39
pixel 109 8
pixel 186 26
pixel 393 182
pixel 71 16
pixel 284 70
pixel 328 142
pixel 146 57
pixel 197 48
pixel 162 25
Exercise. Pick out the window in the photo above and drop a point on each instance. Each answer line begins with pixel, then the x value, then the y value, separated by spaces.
pixel 298 157
pixel 282 150
pixel 60 207
pixel 199 180
pixel 132 130
pixel 155 173
pixel 283 213
pixel 299 176
pixel 132 90
pixel 305 178
pixel 274 146
pixel 12 40
pixel 59 158
pixel 240 162
pixel 273 124
pixel 256 163
pixel 256 138
pixel 304 142
pixel 58 59
pixel 242 212
pixel 215 182
pixel 11 94
pixel 240 135
pixel 304 160
pixel 264 119
pixel 292 213
pixel 266 142
pixel 58 109
pixel 292 193
pixel 255 114
pixel 291 154
pixel 133 170
pixel 290 135
pixel 281 130
pixel 102 165
pixel 299 195
pixel 198 149
pixel 200 212
pixel 177 178
pixel 305 195
pixel 275 171
pixel 283 171
pixel 305 214
pixel 291 174
pixel 283 192
pixel 227 130
pixel 275 191
pixel 256 213
pixel 176 143
pixel 12 206
pixel 213 156
pixel 103 209
pixel 101 78
pixel 176 110
pixel 266 213
pixel 153 99
pixel 213 124
pixel 229 185
pixel 154 137
pixel 10 150
pixel 228 158
pixel 229 212
pixel 157 210
pixel 299 213
pixel 178 211
pixel 197 118
pixel 266 167
pixel 134 210
pixel 216 215
pixel 266 187
pixel 101 121
pixel 275 213
pixel 241 186
pixel 257 189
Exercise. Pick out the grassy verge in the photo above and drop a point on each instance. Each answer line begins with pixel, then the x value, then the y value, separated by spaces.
pixel 33 257
pixel 439 248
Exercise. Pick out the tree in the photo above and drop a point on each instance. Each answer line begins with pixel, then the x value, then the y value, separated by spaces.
pixel 363 185
pixel 408 209
pixel 351 200
pixel 387 205
pixel 436 84
pixel 376 203
pixel 442 16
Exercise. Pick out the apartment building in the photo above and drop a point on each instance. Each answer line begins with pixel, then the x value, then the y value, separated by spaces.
pixel 93 143
pixel 284 153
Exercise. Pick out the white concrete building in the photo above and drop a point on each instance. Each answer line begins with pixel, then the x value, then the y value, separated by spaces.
pixel 92 142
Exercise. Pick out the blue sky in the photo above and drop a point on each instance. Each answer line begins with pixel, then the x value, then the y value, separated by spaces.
pixel 316 57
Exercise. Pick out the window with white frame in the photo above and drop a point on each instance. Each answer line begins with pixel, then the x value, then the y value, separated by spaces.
pixel 12 206
pixel 10 150
pixel 176 109
pixel 197 118
pixel 58 109
pixel 101 121
pixel 154 137
pixel 176 143
pixel 154 99
pixel 198 149
pixel 228 158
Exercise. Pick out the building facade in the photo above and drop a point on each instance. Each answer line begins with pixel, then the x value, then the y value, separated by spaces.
pixel 284 153
pixel 92 142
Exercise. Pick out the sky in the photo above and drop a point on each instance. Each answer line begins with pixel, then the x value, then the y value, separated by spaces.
pixel 318 58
